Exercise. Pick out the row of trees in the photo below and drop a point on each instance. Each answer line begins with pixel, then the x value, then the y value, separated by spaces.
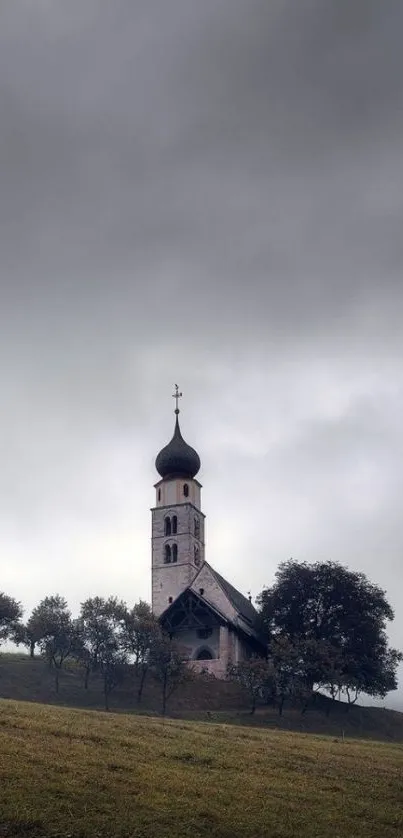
pixel 323 627
pixel 325 630
pixel 107 639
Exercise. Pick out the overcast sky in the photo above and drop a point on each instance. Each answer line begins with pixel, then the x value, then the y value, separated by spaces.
pixel 207 193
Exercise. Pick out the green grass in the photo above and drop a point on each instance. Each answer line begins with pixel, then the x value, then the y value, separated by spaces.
pixel 23 679
pixel 79 773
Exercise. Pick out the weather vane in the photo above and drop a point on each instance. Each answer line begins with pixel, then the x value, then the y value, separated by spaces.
pixel 177 395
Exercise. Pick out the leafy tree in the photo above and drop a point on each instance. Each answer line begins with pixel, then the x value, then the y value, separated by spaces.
pixel 326 664
pixel 32 632
pixel 288 672
pixel 325 603
pixel 169 667
pixel 10 616
pixel 55 631
pixel 375 675
pixel 112 666
pixel 254 675
pixel 19 635
pixel 98 623
pixel 36 628
pixel 139 631
pixel 100 648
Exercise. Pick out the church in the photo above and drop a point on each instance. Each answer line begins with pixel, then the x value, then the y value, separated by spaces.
pixel 211 621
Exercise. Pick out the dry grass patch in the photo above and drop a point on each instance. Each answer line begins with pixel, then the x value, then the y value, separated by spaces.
pixel 93 775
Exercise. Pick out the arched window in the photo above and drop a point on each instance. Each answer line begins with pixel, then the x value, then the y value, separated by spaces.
pixel 167 557
pixel 196 555
pixel 186 490
pixel 174 552
pixel 196 527
pixel 174 525
pixel 159 494
pixel 167 526
pixel 204 655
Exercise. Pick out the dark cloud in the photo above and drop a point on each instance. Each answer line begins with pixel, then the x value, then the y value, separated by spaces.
pixel 210 192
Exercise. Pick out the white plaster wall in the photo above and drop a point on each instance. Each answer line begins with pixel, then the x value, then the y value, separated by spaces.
pixel 243 651
pixel 191 643
pixel 233 649
pixel 169 581
pixel 213 592
pixel 171 492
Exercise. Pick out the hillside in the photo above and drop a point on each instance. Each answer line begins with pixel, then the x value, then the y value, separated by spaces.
pixel 24 679
pixel 78 773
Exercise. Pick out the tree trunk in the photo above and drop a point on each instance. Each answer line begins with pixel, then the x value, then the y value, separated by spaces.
pixel 32 648
pixel 142 682
pixel 164 695
pixel 106 696
pixel 86 677
pixel 280 706
pixel 57 679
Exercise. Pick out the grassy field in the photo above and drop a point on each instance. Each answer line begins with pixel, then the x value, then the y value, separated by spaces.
pixel 23 679
pixel 85 774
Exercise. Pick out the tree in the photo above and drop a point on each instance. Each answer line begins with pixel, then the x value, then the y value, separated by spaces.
pixel 325 603
pixel 169 667
pixel 112 666
pixel 98 623
pixel 100 648
pixel 55 631
pixel 10 616
pixel 138 633
pixel 288 672
pixel 253 675
pixel 375 674
pixel 33 632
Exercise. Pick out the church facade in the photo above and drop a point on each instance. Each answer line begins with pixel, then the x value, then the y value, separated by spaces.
pixel 212 622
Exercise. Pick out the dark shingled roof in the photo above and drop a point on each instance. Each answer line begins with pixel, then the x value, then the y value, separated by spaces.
pixel 240 602
pixel 177 459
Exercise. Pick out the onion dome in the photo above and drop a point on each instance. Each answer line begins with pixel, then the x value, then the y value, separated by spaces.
pixel 177 459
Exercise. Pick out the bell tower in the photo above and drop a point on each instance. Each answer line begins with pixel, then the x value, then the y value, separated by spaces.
pixel 177 540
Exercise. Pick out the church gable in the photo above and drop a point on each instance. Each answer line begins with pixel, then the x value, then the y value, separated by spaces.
pixel 198 629
pixel 206 585
pixel 191 611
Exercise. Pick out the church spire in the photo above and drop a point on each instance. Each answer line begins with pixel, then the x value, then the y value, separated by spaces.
pixel 177 395
pixel 177 459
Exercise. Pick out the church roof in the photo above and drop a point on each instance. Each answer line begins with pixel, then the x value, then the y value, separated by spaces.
pixel 240 602
pixel 177 459
pixel 183 597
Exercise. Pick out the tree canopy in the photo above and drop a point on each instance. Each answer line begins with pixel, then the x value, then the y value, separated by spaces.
pixel 10 616
pixel 52 625
pixel 338 617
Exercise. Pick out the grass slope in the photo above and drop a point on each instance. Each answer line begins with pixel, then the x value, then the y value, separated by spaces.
pixel 30 680
pixel 77 773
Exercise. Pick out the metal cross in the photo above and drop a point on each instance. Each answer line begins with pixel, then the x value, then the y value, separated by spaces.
pixel 176 395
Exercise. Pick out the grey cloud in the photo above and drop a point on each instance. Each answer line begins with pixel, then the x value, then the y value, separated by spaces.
pixel 209 191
